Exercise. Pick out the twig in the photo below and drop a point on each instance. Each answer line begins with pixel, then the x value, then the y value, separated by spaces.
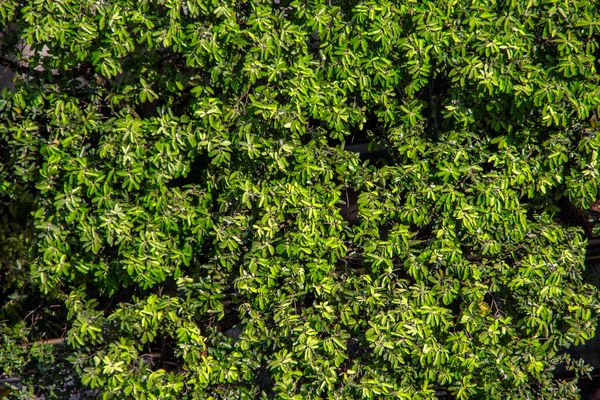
pixel 16 67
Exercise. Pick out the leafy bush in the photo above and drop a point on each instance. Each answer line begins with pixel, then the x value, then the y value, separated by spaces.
pixel 176 196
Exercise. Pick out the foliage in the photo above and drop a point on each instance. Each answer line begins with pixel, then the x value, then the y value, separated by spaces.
pixel 173 180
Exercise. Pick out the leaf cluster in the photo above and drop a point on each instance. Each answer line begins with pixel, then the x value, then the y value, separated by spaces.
pixel 173 177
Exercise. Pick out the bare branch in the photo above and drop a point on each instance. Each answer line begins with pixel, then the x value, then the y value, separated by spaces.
pixel 16 67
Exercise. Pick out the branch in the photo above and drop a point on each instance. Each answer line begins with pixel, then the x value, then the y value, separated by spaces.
pixel 16 67
pixel 85 70
pixel 51 342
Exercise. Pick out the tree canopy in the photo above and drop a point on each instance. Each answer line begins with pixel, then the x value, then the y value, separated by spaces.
pixel 177 197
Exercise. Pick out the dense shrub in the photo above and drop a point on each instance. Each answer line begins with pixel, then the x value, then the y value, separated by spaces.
pixel 178 198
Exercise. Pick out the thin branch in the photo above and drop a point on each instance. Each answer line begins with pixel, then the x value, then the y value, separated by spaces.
pixel 84 70
pixel 51 342
pixel 16 67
